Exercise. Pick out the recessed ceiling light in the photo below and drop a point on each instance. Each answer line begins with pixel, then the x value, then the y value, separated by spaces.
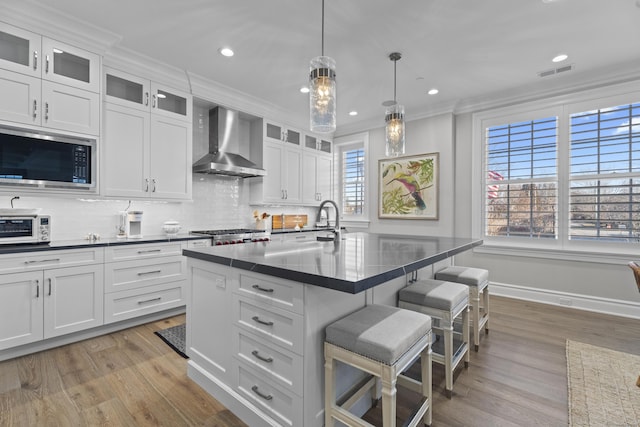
pixel 304 89
pixel 433 91
pixel 225 51
pixel 353 113
pixel 560 58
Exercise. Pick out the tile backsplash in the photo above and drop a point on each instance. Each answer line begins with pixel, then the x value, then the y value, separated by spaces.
pixel 218 202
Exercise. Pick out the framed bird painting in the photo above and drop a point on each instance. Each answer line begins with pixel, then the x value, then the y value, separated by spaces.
pixel 408 187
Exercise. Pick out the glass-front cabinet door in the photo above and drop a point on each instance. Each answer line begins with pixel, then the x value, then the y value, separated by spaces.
pixel 127 90
pixel 70 65
pixel 170 102
pixel 19 50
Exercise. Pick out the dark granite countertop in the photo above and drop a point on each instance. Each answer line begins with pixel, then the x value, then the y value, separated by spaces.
pixel 357 262
pixel 83 243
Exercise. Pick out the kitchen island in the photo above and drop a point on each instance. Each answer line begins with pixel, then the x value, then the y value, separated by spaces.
pixel 256 314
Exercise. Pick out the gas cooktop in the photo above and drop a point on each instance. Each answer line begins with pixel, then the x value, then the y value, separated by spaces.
pixel 234 235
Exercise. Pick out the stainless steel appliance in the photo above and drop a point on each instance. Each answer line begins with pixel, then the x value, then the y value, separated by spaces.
pixel 19 227
pixel 234 236
pixel 39 160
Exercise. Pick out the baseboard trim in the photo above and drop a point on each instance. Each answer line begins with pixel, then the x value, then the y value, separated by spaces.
pixel 568 300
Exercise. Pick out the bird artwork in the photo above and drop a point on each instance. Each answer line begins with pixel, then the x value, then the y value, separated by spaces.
pixel 408 187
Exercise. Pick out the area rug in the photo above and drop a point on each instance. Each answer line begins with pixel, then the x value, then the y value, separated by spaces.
pixel 602 386
pixel 175 338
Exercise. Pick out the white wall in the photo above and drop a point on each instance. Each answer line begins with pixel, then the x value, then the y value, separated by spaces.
pixel 428 135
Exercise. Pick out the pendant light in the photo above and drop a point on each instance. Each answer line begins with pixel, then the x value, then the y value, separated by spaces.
pixel 322 91
pixel 394 118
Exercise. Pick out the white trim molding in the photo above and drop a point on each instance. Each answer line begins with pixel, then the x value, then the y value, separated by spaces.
pixel 568 300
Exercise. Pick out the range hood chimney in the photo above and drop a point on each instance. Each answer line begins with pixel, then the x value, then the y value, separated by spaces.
pixel 224 143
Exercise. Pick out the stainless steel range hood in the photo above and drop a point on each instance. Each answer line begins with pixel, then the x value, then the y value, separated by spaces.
pixel 224 144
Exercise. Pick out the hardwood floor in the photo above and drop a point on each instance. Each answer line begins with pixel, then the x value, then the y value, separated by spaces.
pixel 131 378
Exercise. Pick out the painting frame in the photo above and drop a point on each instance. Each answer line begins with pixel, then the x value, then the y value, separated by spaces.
pixel 408 187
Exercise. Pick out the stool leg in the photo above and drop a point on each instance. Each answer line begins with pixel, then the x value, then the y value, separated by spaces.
pixel 329 388
pixel 425 377
pixel 485 297
pixel 447 331
pixel 465 335
pixel 475 300
pixel 388 397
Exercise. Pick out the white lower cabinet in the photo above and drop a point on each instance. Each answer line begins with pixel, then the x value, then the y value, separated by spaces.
pixel 39 301
pixel 143 279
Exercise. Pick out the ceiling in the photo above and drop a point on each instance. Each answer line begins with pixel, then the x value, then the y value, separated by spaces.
pixel 474 52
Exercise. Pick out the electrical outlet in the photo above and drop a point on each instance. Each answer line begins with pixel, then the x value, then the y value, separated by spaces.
pixel 565 301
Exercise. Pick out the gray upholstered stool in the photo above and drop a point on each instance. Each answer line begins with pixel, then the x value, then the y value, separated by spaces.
pixel 477 279
pixel 444 302
pixel 382 341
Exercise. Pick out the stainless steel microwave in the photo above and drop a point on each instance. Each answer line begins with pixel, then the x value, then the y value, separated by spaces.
pixel 21 229
pixel 40 160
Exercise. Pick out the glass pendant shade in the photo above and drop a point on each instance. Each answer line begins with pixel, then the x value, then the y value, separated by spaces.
pixel 394 131
pixel 322 94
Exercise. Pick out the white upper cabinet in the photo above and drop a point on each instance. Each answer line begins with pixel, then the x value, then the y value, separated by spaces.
pixel 71 66
pixel 20 50
pixel 147 139
pixel 276 132
pixel 136 92
pixel 47 83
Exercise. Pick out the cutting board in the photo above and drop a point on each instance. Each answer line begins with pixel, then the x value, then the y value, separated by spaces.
pixel 288 221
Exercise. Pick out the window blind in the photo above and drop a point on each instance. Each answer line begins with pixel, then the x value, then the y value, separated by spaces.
pixel 353 179
pixel 521 179
pixel 604 193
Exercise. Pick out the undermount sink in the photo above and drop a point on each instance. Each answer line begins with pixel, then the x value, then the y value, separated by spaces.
pixel 19 212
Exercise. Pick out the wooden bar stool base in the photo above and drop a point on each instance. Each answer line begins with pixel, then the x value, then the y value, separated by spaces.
pixel 382 341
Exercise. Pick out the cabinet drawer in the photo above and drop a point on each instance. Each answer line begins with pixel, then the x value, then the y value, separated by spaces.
pixel 28 261
pixel 141 251
pixel 284 407
pixel 275 325
pixel 281 366
pixel 134 274
pixel 195 244
pixel 138 302
pixel 278 293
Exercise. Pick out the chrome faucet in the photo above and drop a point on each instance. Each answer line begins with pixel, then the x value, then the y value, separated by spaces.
pixel 336 230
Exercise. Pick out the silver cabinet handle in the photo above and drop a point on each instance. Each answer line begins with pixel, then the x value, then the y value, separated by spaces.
pixel 153 101
pixel 46 64
pixel 264 359
pixel 35 59
pixel 153 181
pixel 149 300
pixel 46 111
pixel 286 194
pixel 37 289
pixel 262 322
pixel 49 286
pixel 146 98
pixel 35 108
pixel 144 273
pixel 148 251
pixel 262 395
pixel 146 186
pixel 260 288
pixel 42 260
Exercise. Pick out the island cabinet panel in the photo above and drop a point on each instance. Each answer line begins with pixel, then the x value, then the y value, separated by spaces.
pixel 209 324
pixel 280 327
pixel 278 365
pixel 284 294
pixel 278 403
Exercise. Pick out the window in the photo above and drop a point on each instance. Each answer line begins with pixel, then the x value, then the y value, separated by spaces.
pixel 521 175
pixel 604 192
pixel 564 176
pixel 350 176
pixel 353 181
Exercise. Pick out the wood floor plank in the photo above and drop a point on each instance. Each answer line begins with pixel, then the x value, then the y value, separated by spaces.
pixel 132 378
